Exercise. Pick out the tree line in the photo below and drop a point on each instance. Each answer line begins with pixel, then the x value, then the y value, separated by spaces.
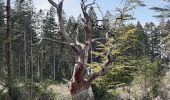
pixel 105 54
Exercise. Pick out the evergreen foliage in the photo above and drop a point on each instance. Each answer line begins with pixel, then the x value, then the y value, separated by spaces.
pixel 139 52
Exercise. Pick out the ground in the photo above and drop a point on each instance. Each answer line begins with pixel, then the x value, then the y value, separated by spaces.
pixel 62 91
pixel 165 86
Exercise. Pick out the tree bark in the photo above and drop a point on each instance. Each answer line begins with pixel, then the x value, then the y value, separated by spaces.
pixel 25 56
pixel 8 50
pixel 54 68
pixel 79 85
pixel 32 69
pixel 38 66
pixel 19 65
pixel 42 65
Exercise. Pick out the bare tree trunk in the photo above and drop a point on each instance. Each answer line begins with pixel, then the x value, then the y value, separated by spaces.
pixel 52 63
pixel 25 56
pixel 32 70
pixel 19 70
pixel 80 88
pixel 42 65
pixel 54 68
pixel 8 50
pixel 38 65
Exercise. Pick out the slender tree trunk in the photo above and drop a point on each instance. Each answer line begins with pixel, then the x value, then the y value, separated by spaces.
pixel 51 55
pixel 25 56
pixel 32 71
pixel 19 70
pixel 54 69
pixel 42 66
pixel 8 50
pixel 38 65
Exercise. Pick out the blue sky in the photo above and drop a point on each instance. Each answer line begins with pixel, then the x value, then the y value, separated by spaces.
pixel 72 8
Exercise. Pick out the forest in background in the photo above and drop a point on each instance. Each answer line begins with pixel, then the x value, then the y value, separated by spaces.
pixel 40 56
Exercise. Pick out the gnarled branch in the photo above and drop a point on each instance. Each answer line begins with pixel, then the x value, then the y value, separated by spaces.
pixel 56 41
pixel 102 72
pixel 53 3
pixel 97 39
pixel 60 19
pixel 72 45
pixel 65 35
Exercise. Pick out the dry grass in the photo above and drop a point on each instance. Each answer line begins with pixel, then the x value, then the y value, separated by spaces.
pixel 62 91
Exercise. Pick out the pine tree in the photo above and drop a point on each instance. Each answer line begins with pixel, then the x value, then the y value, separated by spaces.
pixel 49 31
pixel 80 29
pixel 71 26
pixel 110 20
pixel 142 47
pixel 50 26
pixel 39 22
pixel 93 18
pixel 23 27
pixel 153 34
pixel 166 36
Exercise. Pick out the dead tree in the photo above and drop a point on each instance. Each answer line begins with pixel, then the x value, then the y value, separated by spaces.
pixel 79 85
